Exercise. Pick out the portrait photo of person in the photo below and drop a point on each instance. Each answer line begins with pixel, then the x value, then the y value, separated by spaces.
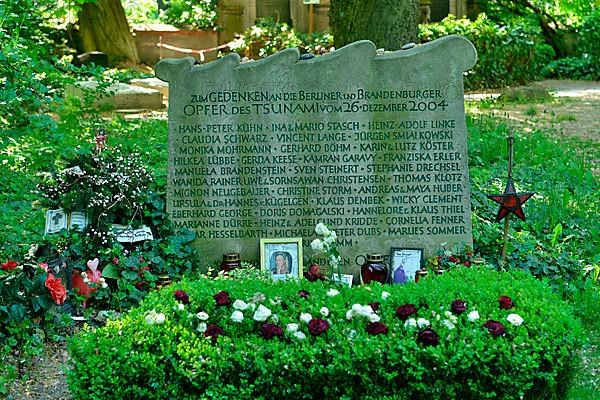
pixel 404 264
pixel 281 262
pixel 282 258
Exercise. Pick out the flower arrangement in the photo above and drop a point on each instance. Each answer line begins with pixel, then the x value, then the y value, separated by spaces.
pixel 449 259
pixel 110 184
pixel 287 335
pixel 327 245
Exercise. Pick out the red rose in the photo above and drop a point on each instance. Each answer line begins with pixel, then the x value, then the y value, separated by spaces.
pixel 304 294
pixel 375 306
pixel 317 326
pixel 314 273
pixel 467 263
pixel 182 296
pixel 222 298
pixel 495 327
pixel 428 337
pixel 506 303
pixel 405 311
pixel 9 265
pixel 458 307
pixel 454 259
pixel 269 331
pixel 56 288
pixel 213 331
pixel 377 328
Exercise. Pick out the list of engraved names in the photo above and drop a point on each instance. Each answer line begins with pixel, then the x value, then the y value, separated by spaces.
pixel 251 164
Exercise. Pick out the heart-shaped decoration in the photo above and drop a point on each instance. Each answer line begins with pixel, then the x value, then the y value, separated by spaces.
pixel 93 264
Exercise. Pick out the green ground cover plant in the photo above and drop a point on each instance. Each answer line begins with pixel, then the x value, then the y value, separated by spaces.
pixel 471 333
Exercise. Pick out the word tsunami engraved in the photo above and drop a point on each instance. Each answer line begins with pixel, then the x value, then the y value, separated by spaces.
pixel 372 145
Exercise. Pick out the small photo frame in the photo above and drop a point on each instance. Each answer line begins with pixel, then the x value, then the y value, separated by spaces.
pixel 404 264
pixel 282 258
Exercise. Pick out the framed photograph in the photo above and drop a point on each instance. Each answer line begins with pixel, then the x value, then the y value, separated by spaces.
pixel 404 264
pixel 281 257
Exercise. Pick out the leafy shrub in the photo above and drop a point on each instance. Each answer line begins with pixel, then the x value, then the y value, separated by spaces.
pixel 507 55
pixel 268 37
pixel 454 336
pixel 582 67
pixel 198 14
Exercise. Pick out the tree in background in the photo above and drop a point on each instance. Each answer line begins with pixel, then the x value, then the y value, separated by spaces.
pixel 387 23
pixel 554 17
pixel 104 27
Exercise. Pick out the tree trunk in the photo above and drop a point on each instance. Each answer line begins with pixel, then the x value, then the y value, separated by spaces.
pixel 388 23
pixel 104 27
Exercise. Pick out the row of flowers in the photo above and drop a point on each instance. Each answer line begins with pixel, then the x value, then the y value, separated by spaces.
pixel 271 327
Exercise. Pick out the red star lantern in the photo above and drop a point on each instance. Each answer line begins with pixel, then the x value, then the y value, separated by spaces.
pixel 510 201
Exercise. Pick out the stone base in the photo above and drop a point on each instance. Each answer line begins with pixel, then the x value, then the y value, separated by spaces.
pixel 120 96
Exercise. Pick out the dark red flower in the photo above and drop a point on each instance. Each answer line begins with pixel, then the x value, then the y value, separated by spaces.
pixel 454 259
pixel 467 263
pixel 314 273
pixel 428 337
pixel 458 307
pixel 269 331
pixel 375 306
pixel 115 261
pixel 377 328
pixel 9 265
pixel 495 327
pixel 405 311
pixel 56 288
pixel 182 296
pixel 140 285
pixel 506 303
pixel 222 298
pixel 213 331
pixel 317 326
pixel 304 294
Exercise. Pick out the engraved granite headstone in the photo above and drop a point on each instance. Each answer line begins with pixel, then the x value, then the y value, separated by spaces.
pixel 372 145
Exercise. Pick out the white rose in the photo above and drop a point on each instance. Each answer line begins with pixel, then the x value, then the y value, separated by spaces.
pixel 324 311
pixel 160 318
pixel 202 316
pixel 321 229
pixel 104 285
pixel 473 316
pixel 317 245
pixel 262 313
pixel 422 323
pixel 385 295
pixel 180 307
pixel 305 317
pixel 299 335
pixel 410 323
pixel 237 316
pixel 349 314
pixel 356 308
pixel 374 318
pixel 201 327
pixel 329 240
pixel 448 324
pixel 332 292
pixel 292 327
pixel 150 317
pixel 365 311
pixel 240 305
pixel 515 319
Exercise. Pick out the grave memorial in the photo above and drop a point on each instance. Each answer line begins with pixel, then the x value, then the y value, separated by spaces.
pixel 374 145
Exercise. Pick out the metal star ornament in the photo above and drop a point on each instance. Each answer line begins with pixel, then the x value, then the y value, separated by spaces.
pixel 510 201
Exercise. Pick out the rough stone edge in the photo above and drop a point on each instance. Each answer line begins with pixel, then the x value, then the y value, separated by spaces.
pixel 169 69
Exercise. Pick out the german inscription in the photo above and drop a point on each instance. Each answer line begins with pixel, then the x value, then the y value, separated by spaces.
pixel 372 145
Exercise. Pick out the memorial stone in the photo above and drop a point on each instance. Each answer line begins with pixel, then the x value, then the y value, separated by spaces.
pixel 374 145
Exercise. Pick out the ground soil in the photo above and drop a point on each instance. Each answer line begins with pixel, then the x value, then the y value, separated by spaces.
pixel 572 111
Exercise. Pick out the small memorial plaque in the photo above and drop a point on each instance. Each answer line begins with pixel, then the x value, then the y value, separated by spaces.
pixel 56 220
pixel 126 234
pixel 372 145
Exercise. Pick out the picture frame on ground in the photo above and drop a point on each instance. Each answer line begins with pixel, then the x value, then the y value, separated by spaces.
pixel 404 264
pixel 345 279
pixel 281 257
